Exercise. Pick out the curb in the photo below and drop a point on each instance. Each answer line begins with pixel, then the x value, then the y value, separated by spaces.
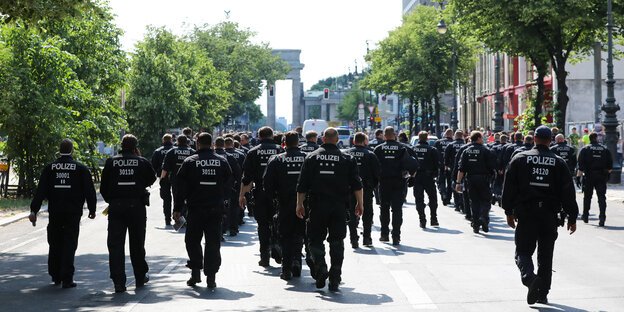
pixel 20 216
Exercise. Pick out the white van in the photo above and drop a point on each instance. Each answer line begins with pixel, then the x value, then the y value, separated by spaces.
pixel 317 125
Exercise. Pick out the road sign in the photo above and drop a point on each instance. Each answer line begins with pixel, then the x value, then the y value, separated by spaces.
pixel 404 110
pixel 376 111
pixel 371 109
pixel 361 106
pixel 377 119
pixel 361 114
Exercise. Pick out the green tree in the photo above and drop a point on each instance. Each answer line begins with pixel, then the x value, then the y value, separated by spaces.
pixel 45 100
pixel 173 84
pixel 33 11
pixel 248 64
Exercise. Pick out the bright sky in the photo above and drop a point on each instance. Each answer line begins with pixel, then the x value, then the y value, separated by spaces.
pixel 331 34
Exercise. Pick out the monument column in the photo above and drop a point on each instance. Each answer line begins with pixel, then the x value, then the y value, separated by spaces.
pixel 297 118
pixel 271 106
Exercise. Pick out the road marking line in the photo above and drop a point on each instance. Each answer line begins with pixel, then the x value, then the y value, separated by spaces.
pixel 20 245
pixel 132 304
pixel 416 296
pixel 610 241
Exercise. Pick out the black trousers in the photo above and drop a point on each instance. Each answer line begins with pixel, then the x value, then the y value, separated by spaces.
pixel 367 215
pixel 234 211
pixel 263 213
pixel 63 229
pixel 291 231
pixel 466 200
pixel 445 184
pixel 537 227
pixel 165 194
pixel 204 222
pixel 480 197
pixel 424 183
pixel 497 185
pixel 391 191
pixel 327 216
pixel 596 182
pixel 130 218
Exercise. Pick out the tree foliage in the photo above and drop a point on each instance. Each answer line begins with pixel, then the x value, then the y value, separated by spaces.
pixel 33 11
pixel 415 61
pixel 173 84
pixel 231 50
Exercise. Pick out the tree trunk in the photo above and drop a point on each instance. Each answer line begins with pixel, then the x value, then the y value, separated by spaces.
pixel 542 68
pixel 411 117
pixel 436 99
pixel 562 93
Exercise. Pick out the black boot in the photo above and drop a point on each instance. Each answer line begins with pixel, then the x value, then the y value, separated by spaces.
pixel 384 237
pixel 120 287
pixel 210 280
pixel 321 276
pixel 296 269
pixel 142 280
pixel 434 221
pixel 334 282
pixel 533 293
pixel 354 242
pixel 367 241
pixel 276 253
pixel 69 284
pixel 264 259
pixel 286 274
pixel 195 278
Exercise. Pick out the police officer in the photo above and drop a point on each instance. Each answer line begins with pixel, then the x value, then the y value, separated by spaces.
pixel 379 139
pixel 395 160
pixel 528 145
pixel 428 162
pixel 66 184
pixel 188 132
pixel 510 148
pixel 253 171
pixel 204 180
pixel 444 176
pixel 125 178
pixel 565 151
pixel 594 164
pixel 302 140
pixel 165 186
pixel 328 176
pixel 310 145
pixel 497 184
pixel 465 190
pixel 172 162
pixel 244 142
pixel 369 170
pixel 449 164
pixel 537 185
pixel 232 210
pixel 477 163
pixel 280 182
pixel 239 155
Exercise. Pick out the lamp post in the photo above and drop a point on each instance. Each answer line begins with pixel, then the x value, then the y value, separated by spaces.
pixel 442 29
pixel 498 103
pixel 610 108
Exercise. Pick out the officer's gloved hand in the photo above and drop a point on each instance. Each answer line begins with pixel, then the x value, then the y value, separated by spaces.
pixel 91 215
pixel 577 181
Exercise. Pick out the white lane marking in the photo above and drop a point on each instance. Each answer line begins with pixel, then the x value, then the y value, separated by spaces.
pixel 20 245
pixel 132 304
pixel 416 296
pixel 610 241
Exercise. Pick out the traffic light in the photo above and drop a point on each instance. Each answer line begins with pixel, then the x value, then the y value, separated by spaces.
pixel 271 91
pixel 326 94
pixel 372 122
pixel 396 120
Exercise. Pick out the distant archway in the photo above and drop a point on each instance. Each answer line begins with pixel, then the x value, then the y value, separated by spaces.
pixel 292 57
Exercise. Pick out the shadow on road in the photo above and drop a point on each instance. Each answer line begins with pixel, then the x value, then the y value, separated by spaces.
pixel 442 230
pixel 346 295
pixel 402 249
pixel 552 307
pixel 26 286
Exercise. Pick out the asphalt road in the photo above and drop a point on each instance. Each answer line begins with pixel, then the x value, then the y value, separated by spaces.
pixel 447 268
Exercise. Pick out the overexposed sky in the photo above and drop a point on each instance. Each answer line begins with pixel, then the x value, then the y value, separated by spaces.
pixel 331 34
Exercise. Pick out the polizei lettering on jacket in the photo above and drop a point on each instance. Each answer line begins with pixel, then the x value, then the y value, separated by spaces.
pixel 125 163
pixel 207 163
pixel 296 159
pixel 63 166
pixel 335 158
pixel 266 151
pixel 390 147
pixel 420 150
pixel 540 160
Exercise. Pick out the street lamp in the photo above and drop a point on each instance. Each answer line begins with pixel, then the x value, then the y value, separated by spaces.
pixel 610 108
pixel 442 28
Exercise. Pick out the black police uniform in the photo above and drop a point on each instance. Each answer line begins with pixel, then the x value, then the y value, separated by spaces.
pixel 172 162
pixel 497 185
pixel 231 213
pixel 377 141
pixel 191 143
pixel 478 163
pixel 465 195
pixel 444 176
pixel 125 178
pixel 328 176
pixel 394 159
pixel 280 182
pixel 568 153
pixel 508 151
pixel 204 182
pixel 66 184
pixel 253 171
pixel 537 185
pixel 369 169
pixel 302 139
pixel 309 146
pixel 525 147
pixel 165 185
pixel 449 161
pixel 240 158
pixel 428 162
pixel 595 161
